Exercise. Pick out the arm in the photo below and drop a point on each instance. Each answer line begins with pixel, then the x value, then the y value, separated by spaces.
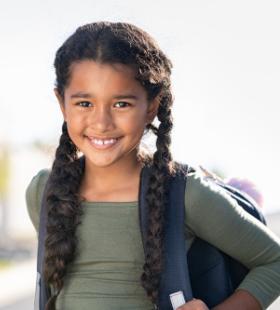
pixel 217 218
pixel 240 299
pixel 33 196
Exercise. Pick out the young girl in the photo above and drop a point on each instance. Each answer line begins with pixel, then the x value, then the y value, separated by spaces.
pixel 112 81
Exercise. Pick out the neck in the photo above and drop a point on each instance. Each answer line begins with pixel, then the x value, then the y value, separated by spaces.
pixel 114 177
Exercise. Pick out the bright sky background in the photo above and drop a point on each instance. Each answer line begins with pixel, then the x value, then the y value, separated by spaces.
pixel 226 76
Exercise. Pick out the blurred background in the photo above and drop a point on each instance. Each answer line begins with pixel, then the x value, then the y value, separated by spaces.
pixel 226 79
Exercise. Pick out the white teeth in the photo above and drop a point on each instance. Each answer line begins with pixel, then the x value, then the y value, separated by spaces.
pixel 101 142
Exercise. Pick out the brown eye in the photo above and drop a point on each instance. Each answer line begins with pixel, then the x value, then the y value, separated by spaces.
pixel 123 103
pixel 83 104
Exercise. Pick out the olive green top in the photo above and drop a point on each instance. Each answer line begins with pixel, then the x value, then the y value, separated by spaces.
pixel 105 274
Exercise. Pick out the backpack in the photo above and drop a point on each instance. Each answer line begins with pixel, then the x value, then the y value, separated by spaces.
pixel 203 272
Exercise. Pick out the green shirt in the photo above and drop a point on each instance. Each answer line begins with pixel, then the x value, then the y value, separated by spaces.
pixel 105 274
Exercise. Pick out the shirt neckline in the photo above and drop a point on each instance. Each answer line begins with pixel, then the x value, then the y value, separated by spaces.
pixel 109 203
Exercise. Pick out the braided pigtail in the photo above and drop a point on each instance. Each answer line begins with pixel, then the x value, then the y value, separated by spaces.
pixel 156 200
pixel 64 211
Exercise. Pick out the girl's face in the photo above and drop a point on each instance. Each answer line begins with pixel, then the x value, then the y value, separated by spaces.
pixel 106 111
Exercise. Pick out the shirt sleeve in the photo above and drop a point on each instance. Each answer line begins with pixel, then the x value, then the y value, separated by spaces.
pixel 33 196
pixel 214 216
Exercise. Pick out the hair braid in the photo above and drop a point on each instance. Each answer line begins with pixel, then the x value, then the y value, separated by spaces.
pixel 157 199
pixel 64 211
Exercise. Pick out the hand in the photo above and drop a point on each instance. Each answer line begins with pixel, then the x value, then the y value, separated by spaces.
pixel 194 304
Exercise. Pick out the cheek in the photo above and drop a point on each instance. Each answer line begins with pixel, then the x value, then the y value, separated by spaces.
pixel 135 123
pixel 76 120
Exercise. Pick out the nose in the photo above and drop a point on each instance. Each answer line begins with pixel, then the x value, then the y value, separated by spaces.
pixel 101 118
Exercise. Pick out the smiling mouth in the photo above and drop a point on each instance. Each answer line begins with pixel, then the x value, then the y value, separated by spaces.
pixel 103 143
pixel 103 138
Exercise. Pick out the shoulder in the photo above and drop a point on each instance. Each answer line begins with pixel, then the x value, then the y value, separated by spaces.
pixel 33 195
pixel 200 186
pixel 206 203
pixel 200 183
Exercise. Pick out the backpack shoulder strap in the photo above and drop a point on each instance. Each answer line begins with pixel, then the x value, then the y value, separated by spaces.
pixel 175 275
pixel 42 292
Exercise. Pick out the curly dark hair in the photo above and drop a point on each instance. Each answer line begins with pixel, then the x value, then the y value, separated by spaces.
pixel 109 42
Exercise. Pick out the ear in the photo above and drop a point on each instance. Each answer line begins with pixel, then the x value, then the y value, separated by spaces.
pixel 153 109
pixel 61 102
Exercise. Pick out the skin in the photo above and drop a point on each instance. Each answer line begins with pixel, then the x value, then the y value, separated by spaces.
pixel 114 174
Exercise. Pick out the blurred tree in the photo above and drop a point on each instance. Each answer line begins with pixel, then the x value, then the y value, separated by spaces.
pixel 4 183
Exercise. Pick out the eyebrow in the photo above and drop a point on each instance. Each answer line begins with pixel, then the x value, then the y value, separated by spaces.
pixel 88 95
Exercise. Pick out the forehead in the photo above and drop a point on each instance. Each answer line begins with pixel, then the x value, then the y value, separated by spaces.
pixel 90 75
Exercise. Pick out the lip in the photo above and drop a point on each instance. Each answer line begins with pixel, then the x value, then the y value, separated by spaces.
pixel 102 138
pixel 103 146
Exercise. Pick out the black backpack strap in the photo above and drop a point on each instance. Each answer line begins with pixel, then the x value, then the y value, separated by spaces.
pixel 175 275
pixel 42 291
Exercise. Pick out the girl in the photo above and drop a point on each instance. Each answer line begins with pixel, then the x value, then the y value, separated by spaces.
pixel 112 80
